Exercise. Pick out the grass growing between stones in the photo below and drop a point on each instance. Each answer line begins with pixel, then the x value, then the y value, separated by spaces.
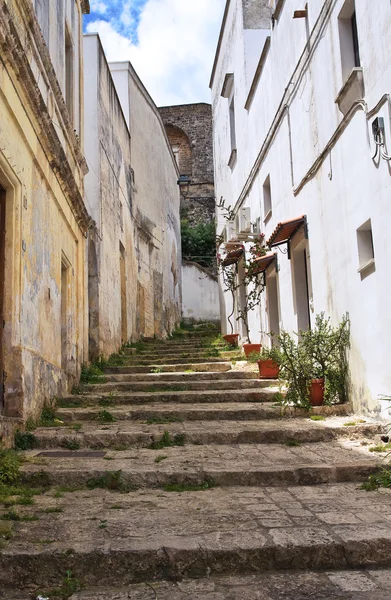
pixel 104 416
pixel 167 441
pixel 353 423
pixel 381 448
pixel 292 443
pixel 317 418
pixel 6 533
pixel 69 586
pixel 111 480
pixel 159 458
pixel 207 484
pixel 378 480
pixel 163 420
pixel 13 515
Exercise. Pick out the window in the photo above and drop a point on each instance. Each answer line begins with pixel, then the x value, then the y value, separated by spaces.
pixel 228 92
pixel 366 254
pixel 267 200
pixel 348 39
pixel 175 150
pixel 232 125
pixel 69 76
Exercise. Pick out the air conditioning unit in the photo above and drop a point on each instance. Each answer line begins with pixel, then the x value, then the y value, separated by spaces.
pixel 230 236
pixel 256 227
pixel 243 222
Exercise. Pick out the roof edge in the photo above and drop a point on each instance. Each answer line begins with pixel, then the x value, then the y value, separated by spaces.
pixel 222 28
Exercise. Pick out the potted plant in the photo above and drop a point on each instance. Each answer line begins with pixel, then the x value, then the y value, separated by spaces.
pixel 268 364
pixel 254 284
pixel 314 363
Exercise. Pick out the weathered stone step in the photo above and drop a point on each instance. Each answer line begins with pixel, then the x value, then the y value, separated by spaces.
pixel 180 377
pixel 167 386
pixel 205 367
pixel 238 411
pixel 138 360
pixel 177 349
pixel 370 584
pixel 106 539
pixel 127 434
pixel 152 357
pixel 236 465
pixel 266 394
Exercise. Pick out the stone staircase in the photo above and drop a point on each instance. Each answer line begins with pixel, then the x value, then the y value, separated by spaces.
pixel 180 477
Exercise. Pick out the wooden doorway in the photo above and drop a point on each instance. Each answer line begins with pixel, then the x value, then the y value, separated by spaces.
pixel 2 274
pixel 124 312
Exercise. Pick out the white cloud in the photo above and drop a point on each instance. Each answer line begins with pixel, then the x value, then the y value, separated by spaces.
pixel 126 17
pixel 98 6
pixel 176 45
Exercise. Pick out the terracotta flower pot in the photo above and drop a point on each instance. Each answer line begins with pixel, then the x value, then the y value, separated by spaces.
pixel 250 348
pixel 317 392
pixel 268 369
pixel 232 339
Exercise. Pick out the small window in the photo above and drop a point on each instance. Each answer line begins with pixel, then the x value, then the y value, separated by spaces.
pixel 69 74
pixel 267 200
pixel 348 39
pixel 175 150
pixel 366 254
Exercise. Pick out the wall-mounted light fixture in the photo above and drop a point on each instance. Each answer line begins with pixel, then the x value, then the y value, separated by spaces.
pixel 184 185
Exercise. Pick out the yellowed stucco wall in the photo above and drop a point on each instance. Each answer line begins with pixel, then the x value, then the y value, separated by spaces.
pixel 42 171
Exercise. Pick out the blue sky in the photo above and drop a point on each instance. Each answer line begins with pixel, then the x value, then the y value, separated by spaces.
pixel 171 43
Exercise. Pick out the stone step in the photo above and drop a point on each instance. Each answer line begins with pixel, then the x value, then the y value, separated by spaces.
pixel 266 394
pixel 138 360
pixel 152 357
pixel 181 367
pixel 235 465
pixel 108 539
pixel 170 349
pixel 180 377
pixel 236 411
pixel 128 434
pixel 181 386
pixel 364 584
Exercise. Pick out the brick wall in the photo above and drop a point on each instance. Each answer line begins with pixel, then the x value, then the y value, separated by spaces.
pixel 189 127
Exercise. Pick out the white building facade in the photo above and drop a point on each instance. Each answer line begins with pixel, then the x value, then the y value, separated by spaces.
pixel 302 138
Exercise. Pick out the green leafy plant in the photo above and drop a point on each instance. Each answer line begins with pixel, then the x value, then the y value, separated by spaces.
pixel 157 370
pixel 72 444
pixel 111 480
pixel 10 463
pixel 382 479
pixel 25 440
pixel 167 441
pixel 320 352
pixel 199 243
pixel 93 373
pixel 104 416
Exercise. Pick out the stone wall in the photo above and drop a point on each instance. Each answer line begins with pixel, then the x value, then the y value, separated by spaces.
pixel 189 129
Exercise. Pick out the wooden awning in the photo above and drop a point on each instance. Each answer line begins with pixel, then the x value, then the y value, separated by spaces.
pixel 261 264
pixel 233 257
pixel 285 231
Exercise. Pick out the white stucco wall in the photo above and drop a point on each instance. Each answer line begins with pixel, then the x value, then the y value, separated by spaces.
pixel 296 101
pixel 200 294
pixel 155 208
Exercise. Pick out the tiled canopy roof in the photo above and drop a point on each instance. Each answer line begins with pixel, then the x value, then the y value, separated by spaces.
pixel 263 262
pixel 285 231
pixel 233 257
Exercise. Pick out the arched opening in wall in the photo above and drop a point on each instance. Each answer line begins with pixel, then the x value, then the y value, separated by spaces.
pixel 273 305
pixel 181 148
pixel 301 276
pixel 93 301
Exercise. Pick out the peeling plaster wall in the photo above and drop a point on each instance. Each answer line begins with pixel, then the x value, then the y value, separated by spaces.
pixel 155 211
pixel 200 293
pixel 109 195
pixel 345 191
pixel 42 170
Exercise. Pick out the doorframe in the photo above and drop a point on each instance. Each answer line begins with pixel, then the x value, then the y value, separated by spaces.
pixel 12 351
